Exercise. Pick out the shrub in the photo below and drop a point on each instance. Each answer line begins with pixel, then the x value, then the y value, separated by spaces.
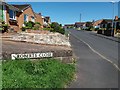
pixel 49 29
pixel 29 24
pixel 96 29
pixel 61 30
pixel 88 29
pixel 36 26
pixel 4 27
pixel 99 31
pixel 23 28
pixel 57 28
pixel 37 23
pixel 92 28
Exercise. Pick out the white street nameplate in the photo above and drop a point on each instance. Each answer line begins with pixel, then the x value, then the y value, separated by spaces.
pixel 31 55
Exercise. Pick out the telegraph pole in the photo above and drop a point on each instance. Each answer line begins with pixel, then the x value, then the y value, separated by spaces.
pixel 113 3
pixel 80 17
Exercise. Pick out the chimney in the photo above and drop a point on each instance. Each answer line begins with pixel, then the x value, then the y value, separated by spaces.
pixel 39 13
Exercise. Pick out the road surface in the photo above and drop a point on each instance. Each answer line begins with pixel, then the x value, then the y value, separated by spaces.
pixel 97 63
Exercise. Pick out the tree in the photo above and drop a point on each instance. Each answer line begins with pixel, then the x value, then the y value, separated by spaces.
pixel 57 27
pixel 89 25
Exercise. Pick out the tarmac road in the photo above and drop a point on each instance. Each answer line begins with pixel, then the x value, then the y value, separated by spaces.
pixel 97 64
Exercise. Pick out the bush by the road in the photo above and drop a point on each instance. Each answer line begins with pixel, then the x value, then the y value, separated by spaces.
pixel 48 73
pixel 31 25
pixel 56 27
pixel 99 31
pixel 4 27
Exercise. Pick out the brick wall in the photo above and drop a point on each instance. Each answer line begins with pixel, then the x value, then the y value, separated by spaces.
pixel 14 26
pixel 29 12
pixel 39 19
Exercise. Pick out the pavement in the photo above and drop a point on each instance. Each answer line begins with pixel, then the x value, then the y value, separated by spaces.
pixel 97 63
pixel 116 38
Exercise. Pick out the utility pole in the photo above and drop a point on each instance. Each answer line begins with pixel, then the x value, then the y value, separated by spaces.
pixel 113 3
pixel 80 17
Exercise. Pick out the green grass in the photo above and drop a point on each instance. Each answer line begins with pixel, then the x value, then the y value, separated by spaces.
pixel 66 33
pixel 48 73
pixel 0 74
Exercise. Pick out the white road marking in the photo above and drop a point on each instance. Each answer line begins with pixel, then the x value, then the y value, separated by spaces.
pixel 110 61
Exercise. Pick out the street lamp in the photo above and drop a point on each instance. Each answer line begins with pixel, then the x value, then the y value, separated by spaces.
pixel 113 3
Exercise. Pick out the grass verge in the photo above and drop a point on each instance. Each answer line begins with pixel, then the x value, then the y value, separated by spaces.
pixel 48 73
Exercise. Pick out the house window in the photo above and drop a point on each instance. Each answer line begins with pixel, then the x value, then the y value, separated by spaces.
pixel 12 14
pixel 25 18
pixel 32 19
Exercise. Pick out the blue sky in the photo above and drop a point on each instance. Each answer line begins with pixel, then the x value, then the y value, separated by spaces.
pixel 69 12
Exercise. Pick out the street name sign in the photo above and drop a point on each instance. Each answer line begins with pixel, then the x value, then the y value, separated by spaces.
pixel 31 55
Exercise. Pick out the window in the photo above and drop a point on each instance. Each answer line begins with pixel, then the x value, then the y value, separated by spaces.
pixel 25 18
pixel 32 19
pixel 12 14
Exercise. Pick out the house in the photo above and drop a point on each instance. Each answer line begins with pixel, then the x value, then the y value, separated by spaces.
pixel 97 23
pixel 117 24
pixel 108 24
pixel 16 15
pixel 69 25
pixel 26 14
pixel 9 15
pixel 79 24
pixel 118 19
pixel 87 25
pixel 39 19
pixel 46 21
pixel 103 23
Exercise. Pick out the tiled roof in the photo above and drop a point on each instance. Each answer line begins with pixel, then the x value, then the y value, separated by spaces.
pixel 22 7
pixel 11 6
pixel 101 20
